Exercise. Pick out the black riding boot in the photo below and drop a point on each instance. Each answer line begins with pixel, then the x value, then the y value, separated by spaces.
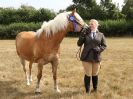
pixel 95 82
pixel 87 83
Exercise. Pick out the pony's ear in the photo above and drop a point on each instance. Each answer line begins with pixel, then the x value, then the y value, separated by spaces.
pixel 73 11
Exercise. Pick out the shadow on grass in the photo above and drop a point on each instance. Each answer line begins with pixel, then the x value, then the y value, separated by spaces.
pixel 6 89
pixel 10 90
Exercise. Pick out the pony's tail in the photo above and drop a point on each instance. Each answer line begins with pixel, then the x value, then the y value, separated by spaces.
pixel 16 43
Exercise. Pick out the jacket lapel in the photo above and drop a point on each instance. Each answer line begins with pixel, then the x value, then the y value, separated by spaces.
pixel 96 36
pixel 89 35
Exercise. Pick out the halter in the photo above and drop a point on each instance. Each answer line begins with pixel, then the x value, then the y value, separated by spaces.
pixel 74 21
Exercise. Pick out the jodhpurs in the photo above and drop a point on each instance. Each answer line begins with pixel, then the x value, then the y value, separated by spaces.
pixel 91 68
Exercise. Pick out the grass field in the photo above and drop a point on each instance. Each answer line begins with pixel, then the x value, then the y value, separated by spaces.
pixel 115 77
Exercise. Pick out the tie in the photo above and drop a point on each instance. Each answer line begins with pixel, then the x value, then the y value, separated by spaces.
pixel 93 35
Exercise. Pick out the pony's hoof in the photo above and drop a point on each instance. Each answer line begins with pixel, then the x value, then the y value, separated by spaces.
pixel 58 91
pixel 28 83
pixel 37 93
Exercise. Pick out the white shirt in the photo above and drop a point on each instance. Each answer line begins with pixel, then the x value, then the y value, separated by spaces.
pixel 93 34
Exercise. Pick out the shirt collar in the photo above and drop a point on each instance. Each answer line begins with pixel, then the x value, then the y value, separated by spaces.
pixel 93 31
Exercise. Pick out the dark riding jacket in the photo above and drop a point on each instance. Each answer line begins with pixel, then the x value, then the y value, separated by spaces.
pixel 92 46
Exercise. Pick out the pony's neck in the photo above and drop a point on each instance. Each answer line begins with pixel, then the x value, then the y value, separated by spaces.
pixel 59 36
pixel 56 38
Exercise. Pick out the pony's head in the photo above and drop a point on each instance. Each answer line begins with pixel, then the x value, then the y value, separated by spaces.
pixel 75 21
pixel 69 21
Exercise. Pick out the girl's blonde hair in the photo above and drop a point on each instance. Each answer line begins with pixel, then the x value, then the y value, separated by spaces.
pixel 94 20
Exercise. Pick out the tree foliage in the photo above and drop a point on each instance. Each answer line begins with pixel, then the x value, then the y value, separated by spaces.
pixel 128 9
pixel 90 9
pixel 25 14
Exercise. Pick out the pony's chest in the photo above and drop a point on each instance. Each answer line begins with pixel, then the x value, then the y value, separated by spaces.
pixel 45 53
pixel 46 58
pixel 52 57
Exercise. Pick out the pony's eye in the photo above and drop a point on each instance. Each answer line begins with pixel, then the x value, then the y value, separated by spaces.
pixel 72 18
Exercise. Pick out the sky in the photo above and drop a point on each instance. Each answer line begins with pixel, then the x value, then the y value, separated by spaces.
pixel 55 5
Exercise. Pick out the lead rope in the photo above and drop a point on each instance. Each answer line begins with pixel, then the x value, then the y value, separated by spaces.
pixel 78 54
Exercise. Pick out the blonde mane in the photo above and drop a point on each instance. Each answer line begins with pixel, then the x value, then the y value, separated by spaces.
pixel 60 22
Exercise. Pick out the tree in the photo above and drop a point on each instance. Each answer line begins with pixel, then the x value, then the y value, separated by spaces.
pixel 89 9
pixel 24 6
pixel 128 9
pixel 111 10
pixel 84 7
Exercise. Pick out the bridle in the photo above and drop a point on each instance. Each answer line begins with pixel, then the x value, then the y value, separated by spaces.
pixel 75 22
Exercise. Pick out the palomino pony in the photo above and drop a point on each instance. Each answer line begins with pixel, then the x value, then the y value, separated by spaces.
pixel 42 47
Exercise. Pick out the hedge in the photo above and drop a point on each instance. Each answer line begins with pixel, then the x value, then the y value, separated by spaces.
pixel 10 31
pixel 116 27
pixel 108 27
pixel 113 28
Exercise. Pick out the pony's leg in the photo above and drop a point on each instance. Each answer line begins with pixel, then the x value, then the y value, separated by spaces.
pixel 54 71
pixel 30 67
pixel 23 62
pixel 39 75
pixel 29 77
